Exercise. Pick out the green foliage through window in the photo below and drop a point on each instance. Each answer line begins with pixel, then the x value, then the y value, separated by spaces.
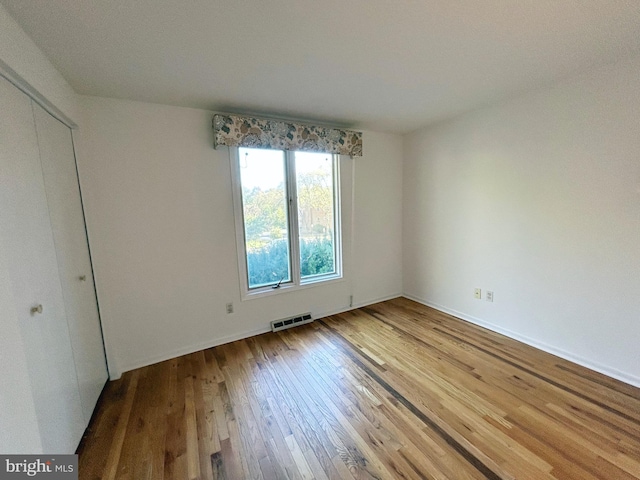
pixel 283 211
pixel 268 264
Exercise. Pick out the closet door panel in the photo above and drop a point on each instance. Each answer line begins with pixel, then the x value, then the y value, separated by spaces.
pixel 67 220
pixel 30 258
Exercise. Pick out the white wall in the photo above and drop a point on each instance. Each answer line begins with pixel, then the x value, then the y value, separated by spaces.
pixel 378 219
pixel 538 200
pixel 160 220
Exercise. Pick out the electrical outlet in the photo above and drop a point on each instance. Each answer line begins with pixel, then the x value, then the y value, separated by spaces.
pixel 229 307
pixel 489 296
pixel 477 293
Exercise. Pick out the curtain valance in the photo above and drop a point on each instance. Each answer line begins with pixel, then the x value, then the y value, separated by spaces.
pixel 240 131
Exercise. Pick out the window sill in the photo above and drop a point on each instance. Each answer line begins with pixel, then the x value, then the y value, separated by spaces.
pixel 268 291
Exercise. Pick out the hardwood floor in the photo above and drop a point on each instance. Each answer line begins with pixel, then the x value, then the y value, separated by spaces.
pixel 393 390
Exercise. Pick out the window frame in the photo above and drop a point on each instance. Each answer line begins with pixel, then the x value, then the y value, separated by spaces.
pixel 297 282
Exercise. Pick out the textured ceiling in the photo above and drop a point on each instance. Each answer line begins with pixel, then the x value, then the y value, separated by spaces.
pixel 374 64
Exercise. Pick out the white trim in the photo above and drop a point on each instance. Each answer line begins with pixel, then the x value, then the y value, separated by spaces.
pixel 21 84
pixel 355 306
pixel 290 287
pixel 234 162
pixel 116 374
pixel 190 349
pixel 337 217
pixel 598 367
pixel 292 217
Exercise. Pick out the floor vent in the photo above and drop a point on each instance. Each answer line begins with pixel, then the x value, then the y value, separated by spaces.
pixel 301 319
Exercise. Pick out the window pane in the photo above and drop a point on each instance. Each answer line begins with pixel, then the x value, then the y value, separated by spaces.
pixel 316 213
pixel 266 227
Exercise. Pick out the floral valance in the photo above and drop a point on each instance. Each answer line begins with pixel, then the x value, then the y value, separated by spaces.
pixel 239 131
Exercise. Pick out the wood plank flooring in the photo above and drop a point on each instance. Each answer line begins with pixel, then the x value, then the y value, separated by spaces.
pixel 393 390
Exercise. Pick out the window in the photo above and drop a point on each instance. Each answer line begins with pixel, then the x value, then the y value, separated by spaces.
pixel 287 218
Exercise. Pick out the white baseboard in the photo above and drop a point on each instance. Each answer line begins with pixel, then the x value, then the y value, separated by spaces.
pixel 116 374
pixel 328 313
pixel 604 369
pixel 190 349
pixel 611 372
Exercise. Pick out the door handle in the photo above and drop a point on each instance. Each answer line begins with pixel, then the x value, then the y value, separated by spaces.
pixel 36 309
pixel 82 278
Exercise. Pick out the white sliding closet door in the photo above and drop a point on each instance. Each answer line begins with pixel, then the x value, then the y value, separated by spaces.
pixel 69 234
pixel 29 256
